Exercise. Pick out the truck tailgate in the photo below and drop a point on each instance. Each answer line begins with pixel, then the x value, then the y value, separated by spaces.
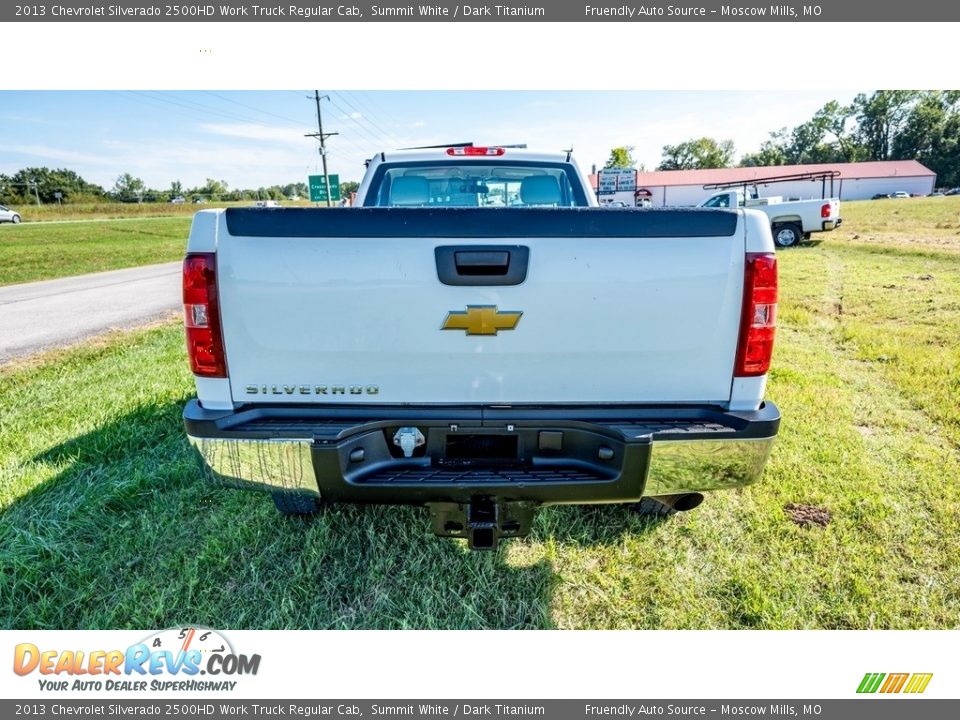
pixel 346 306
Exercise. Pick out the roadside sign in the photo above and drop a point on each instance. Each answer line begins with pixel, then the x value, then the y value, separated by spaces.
pixel 607 181
pixel 611 180
pixel 626 180
pixel 318 188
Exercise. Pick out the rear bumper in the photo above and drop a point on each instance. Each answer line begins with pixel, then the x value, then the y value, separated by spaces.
pixel 831 224
pixel 562 454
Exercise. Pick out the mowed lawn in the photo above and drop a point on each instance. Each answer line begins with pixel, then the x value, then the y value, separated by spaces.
pixel 42 251
pixel 105 522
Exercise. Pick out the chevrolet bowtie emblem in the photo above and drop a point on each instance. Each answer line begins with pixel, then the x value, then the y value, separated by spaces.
pixel 481 320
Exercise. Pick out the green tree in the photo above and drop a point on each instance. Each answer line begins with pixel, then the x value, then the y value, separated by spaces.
pixel 829 136
pixel 621 157
pixel 834 120
pixel 931 135
pixel 49 182
pixel 298 190
pixel 808 144
pixel 880 118
pixel 212 189
pixel 128 188
pixel 348 187
pixel 773 151
pixel 887 125
pixel 9 193
pixel 697 154
pixel 176 188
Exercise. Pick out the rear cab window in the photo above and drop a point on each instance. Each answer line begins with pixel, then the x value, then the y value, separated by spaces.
pixel 475 184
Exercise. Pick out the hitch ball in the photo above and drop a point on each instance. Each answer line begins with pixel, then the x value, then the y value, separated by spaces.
pixel 408 439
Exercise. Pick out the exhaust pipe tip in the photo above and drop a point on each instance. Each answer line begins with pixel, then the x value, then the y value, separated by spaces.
pixel 688 501
pixel 681 502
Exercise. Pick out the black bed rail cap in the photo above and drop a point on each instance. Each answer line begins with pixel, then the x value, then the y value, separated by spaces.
pixel 480 222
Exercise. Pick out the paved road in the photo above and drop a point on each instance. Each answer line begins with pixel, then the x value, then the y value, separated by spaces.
pixel 42 315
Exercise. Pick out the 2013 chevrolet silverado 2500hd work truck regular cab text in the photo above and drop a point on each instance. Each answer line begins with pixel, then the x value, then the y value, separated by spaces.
pixel 478 337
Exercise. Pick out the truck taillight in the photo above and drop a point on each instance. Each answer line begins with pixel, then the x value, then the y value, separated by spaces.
pixel 826 209
pixel 759 322
pixel 470 150
pixel 202 316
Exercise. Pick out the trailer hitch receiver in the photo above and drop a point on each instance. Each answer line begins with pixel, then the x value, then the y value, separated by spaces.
pixel 483 529
pixel 482 521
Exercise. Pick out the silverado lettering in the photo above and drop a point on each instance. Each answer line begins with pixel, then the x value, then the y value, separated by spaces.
pixel 312 389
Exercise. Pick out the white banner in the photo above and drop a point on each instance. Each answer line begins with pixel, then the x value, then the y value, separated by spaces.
pixel 462 664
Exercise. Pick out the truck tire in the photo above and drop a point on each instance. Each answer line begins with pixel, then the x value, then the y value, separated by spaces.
pixel 293 503
pixel 787 235
pixel 649 507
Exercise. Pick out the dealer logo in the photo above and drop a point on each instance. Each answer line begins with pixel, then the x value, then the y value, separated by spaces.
pixel 884 683
pixel 178 653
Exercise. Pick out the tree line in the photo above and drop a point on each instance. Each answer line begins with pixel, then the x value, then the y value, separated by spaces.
pixel 885 125
pixel 47 185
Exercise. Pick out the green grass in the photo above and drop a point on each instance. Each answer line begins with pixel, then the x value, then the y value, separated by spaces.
pixel 104 521
pixel 96 238
pixel 43 251
pixel 30 213
pixel 114 210
pixel 918 224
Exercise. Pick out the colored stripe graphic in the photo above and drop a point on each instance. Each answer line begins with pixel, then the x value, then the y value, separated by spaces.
pixel 870 682
pixel 918 683
pixel 894 683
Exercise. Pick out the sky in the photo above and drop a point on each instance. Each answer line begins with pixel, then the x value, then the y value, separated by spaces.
pixel 253 139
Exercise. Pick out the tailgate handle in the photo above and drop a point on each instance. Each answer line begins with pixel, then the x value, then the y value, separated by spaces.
pixel 482 264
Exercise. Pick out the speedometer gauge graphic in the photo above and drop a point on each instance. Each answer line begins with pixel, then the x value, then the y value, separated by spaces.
pixel 181 640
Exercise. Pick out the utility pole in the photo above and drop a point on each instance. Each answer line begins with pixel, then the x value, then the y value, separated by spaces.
pixel 36 192
pixel 322 136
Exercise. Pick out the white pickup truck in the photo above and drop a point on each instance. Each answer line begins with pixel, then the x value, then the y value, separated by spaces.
pixel 790 220
pixel 476 336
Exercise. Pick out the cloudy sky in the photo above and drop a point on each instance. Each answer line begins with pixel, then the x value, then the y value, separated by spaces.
pixel 253 138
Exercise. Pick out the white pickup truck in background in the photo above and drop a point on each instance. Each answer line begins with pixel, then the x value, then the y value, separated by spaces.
pixel 790 220
pixel 476 336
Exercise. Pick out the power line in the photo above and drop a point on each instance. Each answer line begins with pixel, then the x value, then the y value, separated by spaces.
pixel 192 108
pixel 369 103
pixel 195 108
pixel 347 115
pixel 251 107
pixel 366 148
pixel 362 150
pixel 365 117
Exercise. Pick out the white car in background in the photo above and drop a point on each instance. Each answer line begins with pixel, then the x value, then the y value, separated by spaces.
pixel 900 194
pixel 8 215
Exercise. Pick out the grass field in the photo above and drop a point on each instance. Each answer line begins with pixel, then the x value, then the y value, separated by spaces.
pixel 106 524
pixel 93 238
pixel 117 210
pixel 49 250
